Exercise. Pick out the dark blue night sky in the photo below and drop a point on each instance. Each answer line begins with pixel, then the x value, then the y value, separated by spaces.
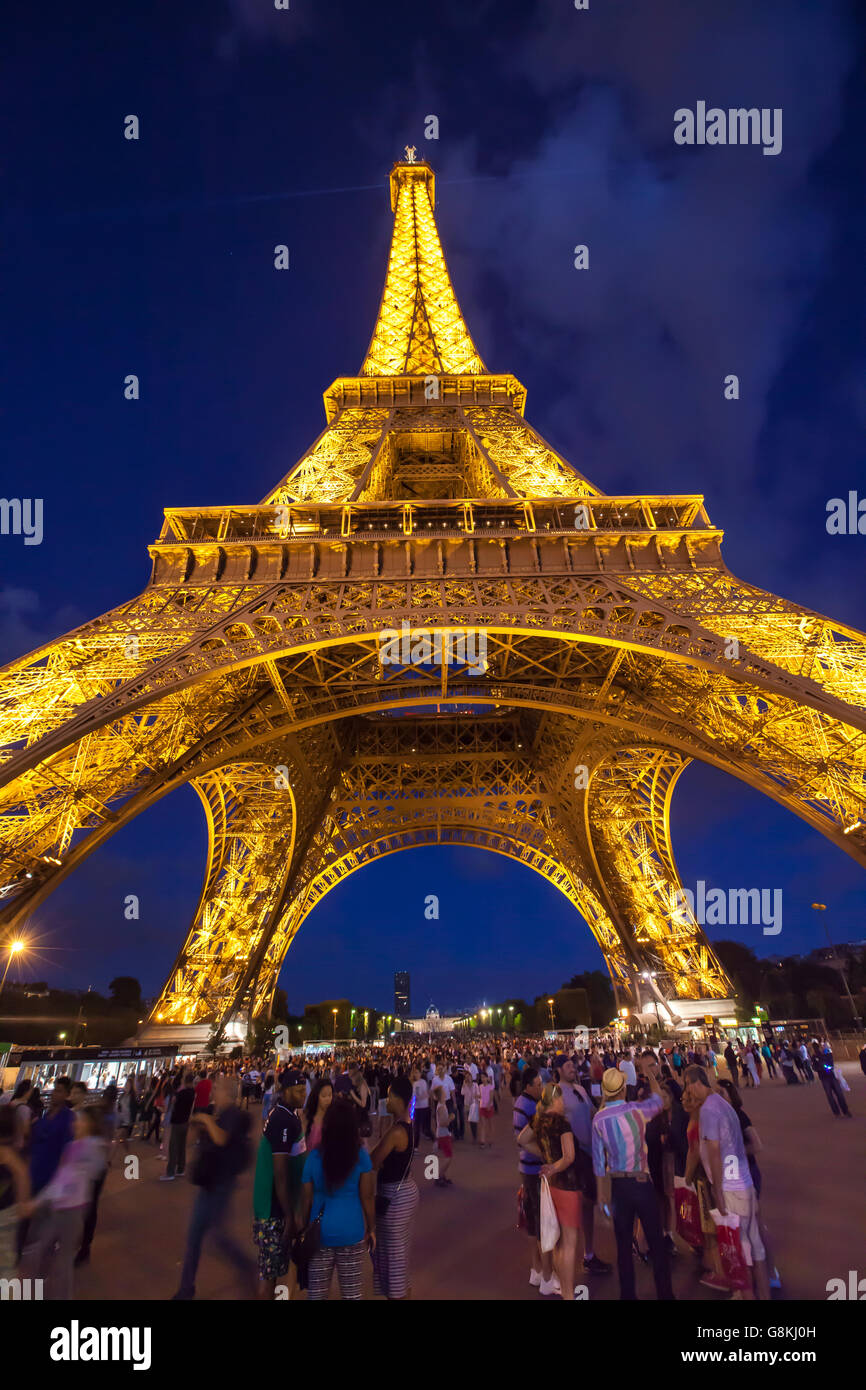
pixel 261 127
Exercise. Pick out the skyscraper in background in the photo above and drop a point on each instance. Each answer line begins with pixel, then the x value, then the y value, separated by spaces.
pixel 402 1007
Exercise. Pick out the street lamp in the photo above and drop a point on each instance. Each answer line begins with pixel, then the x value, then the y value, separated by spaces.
pixel 334 1012
pixel 15 949
pixel 822 907
pixel 550 1006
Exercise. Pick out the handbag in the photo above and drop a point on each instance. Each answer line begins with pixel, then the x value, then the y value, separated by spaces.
pixel 688 1214
pixel 549 1223
pixel 734 1266
pixel 383 1202
pixel 305 1246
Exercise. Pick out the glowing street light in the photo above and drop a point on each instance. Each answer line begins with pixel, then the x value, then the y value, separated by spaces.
pixel 550 1006
pixel 15 949
pixel 334 1012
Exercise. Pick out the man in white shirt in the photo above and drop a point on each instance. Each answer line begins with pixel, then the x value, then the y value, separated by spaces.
pixel 627 1068
pixel 443 1079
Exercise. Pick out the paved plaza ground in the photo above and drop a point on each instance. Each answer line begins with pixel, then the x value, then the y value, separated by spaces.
pixel 467 1245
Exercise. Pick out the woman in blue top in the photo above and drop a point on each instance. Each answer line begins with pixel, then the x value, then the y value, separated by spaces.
pixel 340 1184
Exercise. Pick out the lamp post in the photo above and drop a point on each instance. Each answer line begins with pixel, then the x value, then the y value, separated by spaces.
pixel 552 1020
pixel 334 1012
pixel 511 1020
pixel 822 907
pixel 15 949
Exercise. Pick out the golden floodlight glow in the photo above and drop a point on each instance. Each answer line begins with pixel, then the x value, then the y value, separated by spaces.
pixel 611 645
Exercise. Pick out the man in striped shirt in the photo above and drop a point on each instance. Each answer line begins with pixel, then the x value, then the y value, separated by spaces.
pixel 619 1160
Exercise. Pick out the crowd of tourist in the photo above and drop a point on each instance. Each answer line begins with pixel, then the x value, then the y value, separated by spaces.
pixel 656 1141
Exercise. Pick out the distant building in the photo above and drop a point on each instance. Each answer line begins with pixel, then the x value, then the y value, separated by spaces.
pixel 402 996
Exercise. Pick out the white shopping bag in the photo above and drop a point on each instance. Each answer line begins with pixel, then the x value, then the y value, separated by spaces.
pixel 549 1224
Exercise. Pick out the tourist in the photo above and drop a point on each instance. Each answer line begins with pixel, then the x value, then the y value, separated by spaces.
pixel 442 1079
pixel 472 1103
pixel 359 1094
pixel 14 1190
pixel 724 1158
pixel 529 1163
pixel 833 1088
pixel 485 1111
pixel 223 1154
pixel 619 1155
pixel 444 1144
pixel 626 1066
pixel 58 1210
pixel 550 1135
pixel 580 1111
pixel 50 1134
pixel 203 1088
pixel 805 1065
pixel 269 1096
pixel 396 1196
pixel 421 1092
pixel 127 1112
pixel 19 1104
pixel 788 1062
pixel 339 1193
pixel 320 1099
pixel 277 1182
pixel 181 1111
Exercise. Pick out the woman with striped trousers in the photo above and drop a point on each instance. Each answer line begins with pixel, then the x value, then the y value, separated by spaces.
pixel 396 1196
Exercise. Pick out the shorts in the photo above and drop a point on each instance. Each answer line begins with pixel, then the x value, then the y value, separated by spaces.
pixel 487 1112
pixel 567 1206
pixel 269 1236
pixel 445 1145
pixel 745 1206
pixel 532 1204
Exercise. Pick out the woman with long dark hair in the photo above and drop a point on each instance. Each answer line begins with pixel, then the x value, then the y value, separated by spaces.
pixel 339 1193
pixel 397 1195
pixel 317 1106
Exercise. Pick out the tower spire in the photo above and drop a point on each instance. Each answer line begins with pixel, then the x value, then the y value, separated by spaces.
pixel 419 329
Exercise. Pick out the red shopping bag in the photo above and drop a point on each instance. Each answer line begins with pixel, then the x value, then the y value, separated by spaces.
pixel 734 1265
pixel 688 1213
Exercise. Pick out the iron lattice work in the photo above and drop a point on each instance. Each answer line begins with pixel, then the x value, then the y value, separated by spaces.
pixel 616 642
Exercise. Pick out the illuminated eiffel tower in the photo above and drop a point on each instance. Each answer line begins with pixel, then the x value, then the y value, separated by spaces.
pixel 615 647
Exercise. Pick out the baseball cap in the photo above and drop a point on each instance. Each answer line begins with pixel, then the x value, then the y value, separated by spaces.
pixel 292 1077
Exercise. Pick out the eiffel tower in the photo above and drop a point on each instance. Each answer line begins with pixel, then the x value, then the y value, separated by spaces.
pixel 428 517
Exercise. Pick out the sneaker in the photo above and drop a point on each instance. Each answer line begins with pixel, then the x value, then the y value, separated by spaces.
pixel 550 1286
pixel 712 1281
pixel 775 1280
pixel 596 1266
pixel 167 1177
pixel 535 1278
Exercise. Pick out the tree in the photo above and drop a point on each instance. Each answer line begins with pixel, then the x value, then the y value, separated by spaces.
pixel 260 1036
pixel 745 970
pixel 125 992
pixel 599 991
pixel 280 1007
